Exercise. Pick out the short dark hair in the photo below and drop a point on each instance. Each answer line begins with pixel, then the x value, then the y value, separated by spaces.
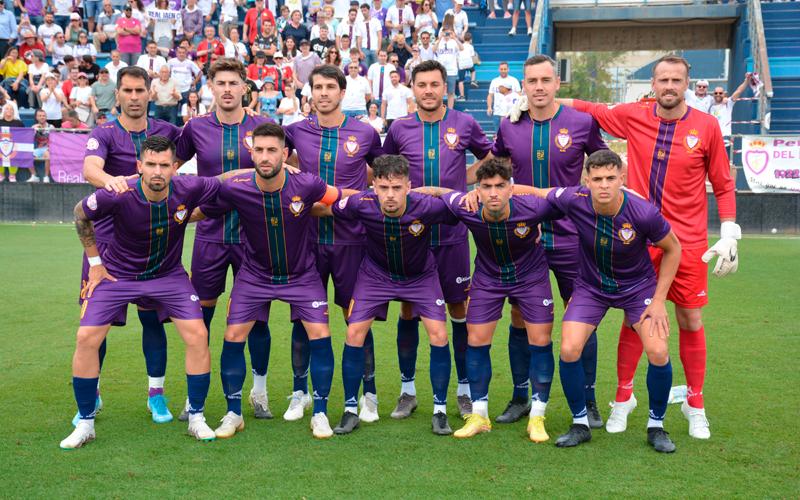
pixel 602 158
pixel 539 59
pixel 672 59
pixel 364 6
pixel 227 64
pixel 328 71
pixel 133 72
pixel 493 167
pixel 270 129
pixel 386 166
pixel 158 144
pixel 427 66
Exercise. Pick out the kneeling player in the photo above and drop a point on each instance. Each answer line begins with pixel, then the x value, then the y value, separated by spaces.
pixel 614 227
pixel 398 265
pixel 509 264
pixel 142 262
pixel 274 210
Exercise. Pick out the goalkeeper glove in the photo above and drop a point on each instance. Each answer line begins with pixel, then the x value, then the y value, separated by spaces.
pixel 725 249
pixel 517 109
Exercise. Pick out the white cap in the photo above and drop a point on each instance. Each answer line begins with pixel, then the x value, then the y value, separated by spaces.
pixel 701 82
pixel 75 15
pixel 460 2
pixel 277 54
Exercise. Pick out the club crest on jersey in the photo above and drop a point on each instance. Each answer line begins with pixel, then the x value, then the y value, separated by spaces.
pixel 180 214
pixel 92 144
pixel 230 154
pixel 756 157
pixel 603 241
pixel 451 138
pixel 563 140
pixel 351 146
pixel 91 202
pixel 273 221
pixel 626 233
pixel 522 230
pixel 416 227
pixel 431 154
pixel 248 140
pixel 297 205
pixel 692 140
pixel 327 156
pixel 661 154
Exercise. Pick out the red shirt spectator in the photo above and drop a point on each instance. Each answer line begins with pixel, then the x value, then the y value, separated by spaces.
pixel 30 43
pixel 210 45
pixel 253 20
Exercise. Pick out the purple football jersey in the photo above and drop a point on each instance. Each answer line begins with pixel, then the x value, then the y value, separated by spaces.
pixel 275 224
pixel 147 241
pixel 550 154
pixel 437 156
pixel 507 252
pixel 339 156
pixel 220 147
pixel 614 254
pixel 120 148
pixel 399 247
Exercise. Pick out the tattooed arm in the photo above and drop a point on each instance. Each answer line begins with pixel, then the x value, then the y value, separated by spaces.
pixel 97 271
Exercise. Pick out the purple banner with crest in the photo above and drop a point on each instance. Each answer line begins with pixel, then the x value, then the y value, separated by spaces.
pixel 16 147
pixel 66 156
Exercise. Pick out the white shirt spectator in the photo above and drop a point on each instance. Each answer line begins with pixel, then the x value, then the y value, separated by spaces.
pixel 144 62
pixel 46 33
pixel 397 101
pixel 377 123
pixel 374 76
pixel 355 96
pixel 503 103
pixel 201 110
pixel 235 50
pixel 497 98
pixel 465 56
pixel 183 72
pixel 59 52
pixel 206 96
pixel 346 29
pixel 228 11
pixel 286 103
pixel 62 7
pixel 424 22
pixel 723 113
pixel 460 22
pixel 371 34
pixel 81 94
pixel 701 103
pixel 205 6
pixel 393 15
pixel 78 51
pixel 427 53
pixel 447 55
pixel 51 104
pixel 113 70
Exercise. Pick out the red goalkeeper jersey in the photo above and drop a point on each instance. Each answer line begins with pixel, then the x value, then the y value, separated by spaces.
pixel 668 162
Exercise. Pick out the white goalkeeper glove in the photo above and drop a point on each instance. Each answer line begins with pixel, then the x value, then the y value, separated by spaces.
pixel 725 249
pixel 517 109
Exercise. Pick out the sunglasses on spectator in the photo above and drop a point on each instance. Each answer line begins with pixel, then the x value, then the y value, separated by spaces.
pixel 719 93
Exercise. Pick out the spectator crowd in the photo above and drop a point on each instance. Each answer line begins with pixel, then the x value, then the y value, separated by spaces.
pixel 61 57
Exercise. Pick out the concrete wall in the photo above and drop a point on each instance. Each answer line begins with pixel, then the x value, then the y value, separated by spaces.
pixel 757 213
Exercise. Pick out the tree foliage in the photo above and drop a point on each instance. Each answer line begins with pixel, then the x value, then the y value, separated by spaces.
pixel 590 79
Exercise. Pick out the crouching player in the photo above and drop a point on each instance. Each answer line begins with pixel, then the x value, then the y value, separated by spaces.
pixel 398 265
pixel 614 227
pixel 274 210
pixel 142 262
pixel 509 264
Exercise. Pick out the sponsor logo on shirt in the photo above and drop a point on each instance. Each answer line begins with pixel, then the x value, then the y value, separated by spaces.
pixel 248 140
pixel 318 303
pixel 343 203
pixel 439 302
pixel 522 230
pixel 451 138
pixel 416 227
pixel 297 205
pixel 91 202
pixel 462 279
pixel 351 146
pixel 194 298
pixel 563 140
pixel 626 233
pixel 92 144
pixel 559 192
pixel 692 140
pixel 547 302
pixel 180 215
pixel 648 301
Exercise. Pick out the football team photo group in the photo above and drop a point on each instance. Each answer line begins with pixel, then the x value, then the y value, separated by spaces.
pixel 447 220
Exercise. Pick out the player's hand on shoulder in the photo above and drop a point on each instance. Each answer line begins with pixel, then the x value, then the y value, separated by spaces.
pixel 470 201
pixel 97 274
pixel 291 170
pixel 656 312
pixel 118 184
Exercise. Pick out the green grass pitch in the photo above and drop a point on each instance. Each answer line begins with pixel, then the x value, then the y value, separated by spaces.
pixel 752 396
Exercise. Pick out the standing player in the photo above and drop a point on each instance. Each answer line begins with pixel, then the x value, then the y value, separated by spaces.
pixel 111 154
pixel 222 140
pixel 274 211
pixel 141 261
pixel 435 141
pixel 671 150
pixel 509 264
pixel 547 143
pixel 614 228
pixel 337 149
pixel 398 265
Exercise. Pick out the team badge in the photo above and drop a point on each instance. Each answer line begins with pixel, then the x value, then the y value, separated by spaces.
pixel 451 138
pixel 248 140
pixel 273 221
pixel 351 146
pixel 498 241
pixel 626 233
pixel 92 144
pixel 297 205
pixel 91 202
pixel 661 154
pixel 416 227
pixel 159 231
pixel 692 140
pixel 604 242
pixel 343 203
pixel 180 215
pixel 327 156
pixel 563 140
pixel 431 154
pixel 540 155
pixel 756 157
pixel 522 230
pixel 230 154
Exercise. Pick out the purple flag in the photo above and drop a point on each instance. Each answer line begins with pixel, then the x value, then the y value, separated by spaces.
pixel 66 156
pixel 16 147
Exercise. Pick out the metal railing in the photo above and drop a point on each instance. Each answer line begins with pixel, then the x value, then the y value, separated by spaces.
pixel 540 22
pixel 758 50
